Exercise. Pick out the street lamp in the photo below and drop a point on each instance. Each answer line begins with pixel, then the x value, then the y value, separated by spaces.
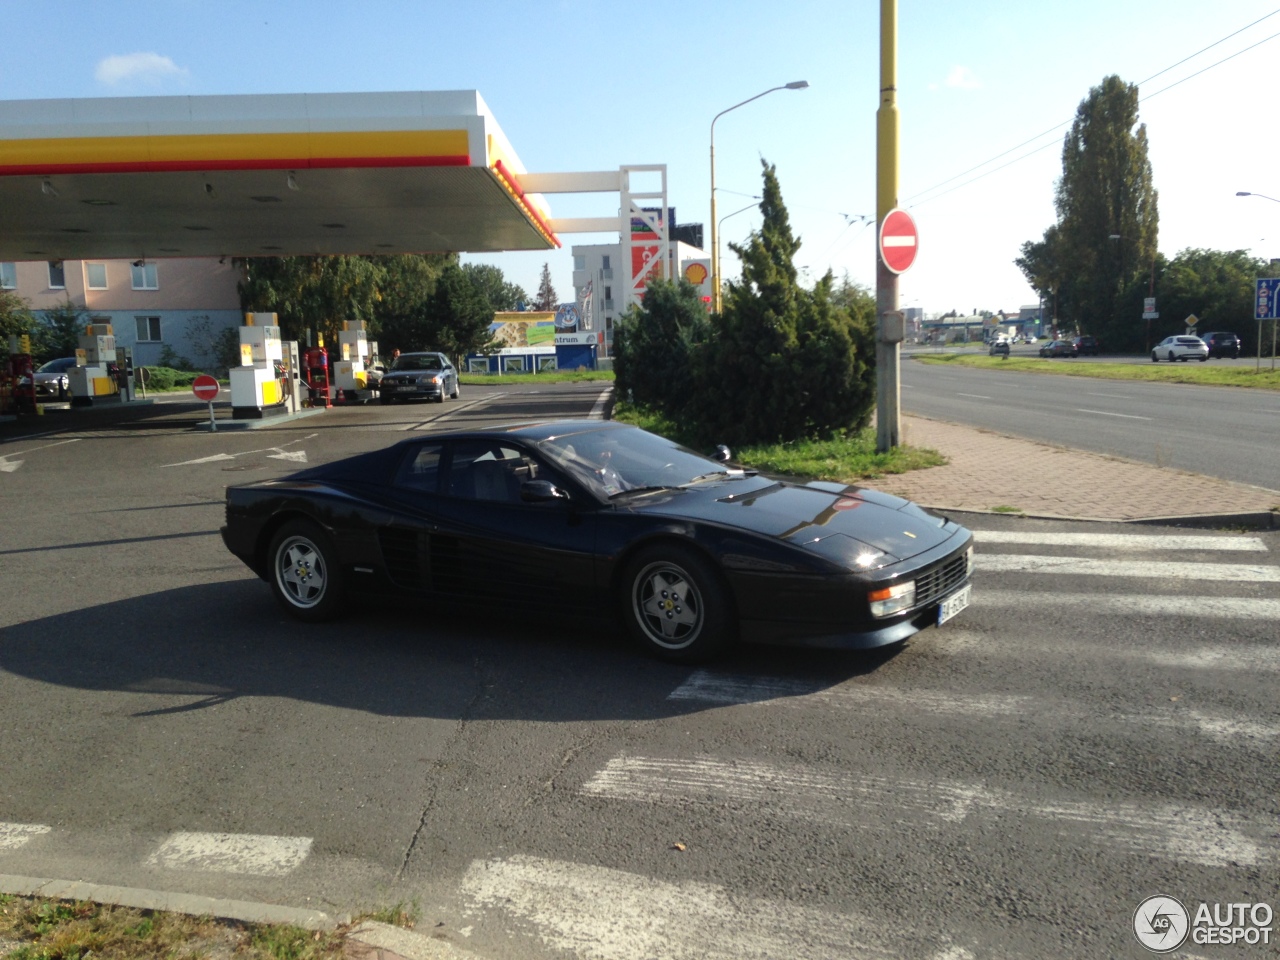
pixel 1246 193
pixel 715 247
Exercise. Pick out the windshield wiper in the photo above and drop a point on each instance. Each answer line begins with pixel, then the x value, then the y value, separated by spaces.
pixel 652 489
pixel 723 475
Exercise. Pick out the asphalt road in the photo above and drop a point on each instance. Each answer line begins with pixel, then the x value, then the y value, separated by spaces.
pixel 1223 432
pixel 1099 727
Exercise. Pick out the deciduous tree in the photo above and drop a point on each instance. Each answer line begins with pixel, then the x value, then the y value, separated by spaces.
pixel 490 281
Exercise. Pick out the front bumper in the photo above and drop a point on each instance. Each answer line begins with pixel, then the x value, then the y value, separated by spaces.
pixel 410 391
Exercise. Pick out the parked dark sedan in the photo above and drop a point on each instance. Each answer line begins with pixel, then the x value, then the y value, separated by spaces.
pixel 1059 348
pixel 428 376
pixel 1222 344
pixel 594 517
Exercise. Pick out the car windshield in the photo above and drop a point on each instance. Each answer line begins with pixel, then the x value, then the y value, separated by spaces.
pixel 419 361
pixel 613 461
pixel 57 366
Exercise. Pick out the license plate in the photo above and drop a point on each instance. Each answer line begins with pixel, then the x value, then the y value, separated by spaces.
pixel 953 604
pixel 404 387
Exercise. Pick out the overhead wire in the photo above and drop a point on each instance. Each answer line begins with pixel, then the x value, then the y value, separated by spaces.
pixel 1045 146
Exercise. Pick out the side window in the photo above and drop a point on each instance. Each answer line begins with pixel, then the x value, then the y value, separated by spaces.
pixel 488 470
pixel 421 468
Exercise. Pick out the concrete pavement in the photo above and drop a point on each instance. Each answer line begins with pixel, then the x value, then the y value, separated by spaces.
pixel 992 472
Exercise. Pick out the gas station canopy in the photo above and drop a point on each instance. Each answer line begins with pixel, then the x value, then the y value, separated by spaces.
pixel 261 175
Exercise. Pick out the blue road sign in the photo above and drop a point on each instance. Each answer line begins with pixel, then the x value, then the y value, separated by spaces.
pixel 1264 304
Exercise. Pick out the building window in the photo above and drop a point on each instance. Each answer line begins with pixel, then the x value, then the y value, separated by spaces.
pixel 605 261
pixel 57 275
pixel 95 276
pixel 8 276
pixel 148 329
pixel 144 277
pixel 579 261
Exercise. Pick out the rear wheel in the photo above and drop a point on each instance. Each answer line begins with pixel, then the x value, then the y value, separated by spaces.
pixel 675 606
pixel 1172 358
pixel 384 400
pixel 305 575
pixel 456 390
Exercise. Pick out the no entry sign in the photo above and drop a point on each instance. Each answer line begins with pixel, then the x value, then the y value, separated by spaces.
pixel 205 387
pixel 898 240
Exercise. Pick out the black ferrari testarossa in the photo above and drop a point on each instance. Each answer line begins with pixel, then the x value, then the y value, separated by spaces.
pixel 561 519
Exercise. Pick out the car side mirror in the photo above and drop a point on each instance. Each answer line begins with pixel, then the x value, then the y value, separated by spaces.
pixel 723 454
pixel 541 491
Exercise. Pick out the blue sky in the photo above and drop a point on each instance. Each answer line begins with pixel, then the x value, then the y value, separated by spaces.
pixel 589 85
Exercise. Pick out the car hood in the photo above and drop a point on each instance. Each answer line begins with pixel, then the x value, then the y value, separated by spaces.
pixel 853 526
pixel 412 374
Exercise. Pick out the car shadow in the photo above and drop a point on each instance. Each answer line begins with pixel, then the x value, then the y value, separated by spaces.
pixel 197 647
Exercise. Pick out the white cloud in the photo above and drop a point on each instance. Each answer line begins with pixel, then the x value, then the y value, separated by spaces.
pixel 962 78
pixel 147 67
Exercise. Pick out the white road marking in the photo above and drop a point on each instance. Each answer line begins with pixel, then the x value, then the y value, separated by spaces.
pixel 1205 836
pixel 1235 608
pixel 1109 396
pixel 1150 569
pixel 597 913
pixel 597 411
pixel 9 465
pixel 706 686
pixel 1250 658
pixel 976 396
pixel 295 456
pixel 1105 413
pixel 212 459
pixel 14 835
pixel 259 856
pixel 1122 541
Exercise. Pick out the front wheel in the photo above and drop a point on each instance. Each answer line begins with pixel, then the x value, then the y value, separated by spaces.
pixel 1203 359
pixel 1172 358
pixel 1154 358
pixel 674 605
pixel 305 575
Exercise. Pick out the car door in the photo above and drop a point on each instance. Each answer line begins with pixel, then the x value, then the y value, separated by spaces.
pixel 493 546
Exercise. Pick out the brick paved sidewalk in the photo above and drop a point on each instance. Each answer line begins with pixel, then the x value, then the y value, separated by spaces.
pixel 989 470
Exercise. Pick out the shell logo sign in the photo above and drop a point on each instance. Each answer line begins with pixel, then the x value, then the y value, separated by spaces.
pixel 696 274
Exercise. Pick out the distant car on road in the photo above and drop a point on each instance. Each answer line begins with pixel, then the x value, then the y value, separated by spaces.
pixel 1180 348
pixel 1059 348
pixel 1222 344
pixel 999 348
pixel 1087 346
pixel 419 376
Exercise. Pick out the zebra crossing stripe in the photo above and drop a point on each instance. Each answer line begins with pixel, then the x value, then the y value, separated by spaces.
pixel 255 855
pixel 1148 569
pixel 599 913
pixel 1209 837
pixel 1122 541
pixel 706 686
pixel 15 835
pixel 1145 604
pixel 1238 657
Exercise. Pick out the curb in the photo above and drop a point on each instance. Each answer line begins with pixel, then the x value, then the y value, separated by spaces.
pixel 1258 520
pixel 406 944
pixel 190 904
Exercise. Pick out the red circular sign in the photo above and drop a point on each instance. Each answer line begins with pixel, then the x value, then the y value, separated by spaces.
pixel 898 240
pixel 204 387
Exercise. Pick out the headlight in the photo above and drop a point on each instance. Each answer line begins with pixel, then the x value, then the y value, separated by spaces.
pixel 968 562
pixel 437 379
pixel 891 600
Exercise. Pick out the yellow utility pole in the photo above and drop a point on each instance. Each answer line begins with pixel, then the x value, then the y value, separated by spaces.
pixel 888 351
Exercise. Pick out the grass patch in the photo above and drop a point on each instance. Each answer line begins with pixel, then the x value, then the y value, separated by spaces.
pixel 845 460
pixel 1163 372
pixel 1006 509
pixel 35 928
pixel 549 376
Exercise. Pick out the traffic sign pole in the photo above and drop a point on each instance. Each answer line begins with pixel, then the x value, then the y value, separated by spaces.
pixel 888 353
pixel 206 387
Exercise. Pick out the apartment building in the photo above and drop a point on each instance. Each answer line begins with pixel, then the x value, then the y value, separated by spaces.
pixel 150 304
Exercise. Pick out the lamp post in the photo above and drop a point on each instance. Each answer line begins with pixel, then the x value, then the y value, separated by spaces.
pixel 1246 193
pixel 715 292
pixel 715 246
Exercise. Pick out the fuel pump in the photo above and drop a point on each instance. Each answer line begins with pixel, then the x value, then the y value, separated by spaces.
pixel 18 377
pixel 351 373
pixel 93 377
pixel 258 382
pixel 315 367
